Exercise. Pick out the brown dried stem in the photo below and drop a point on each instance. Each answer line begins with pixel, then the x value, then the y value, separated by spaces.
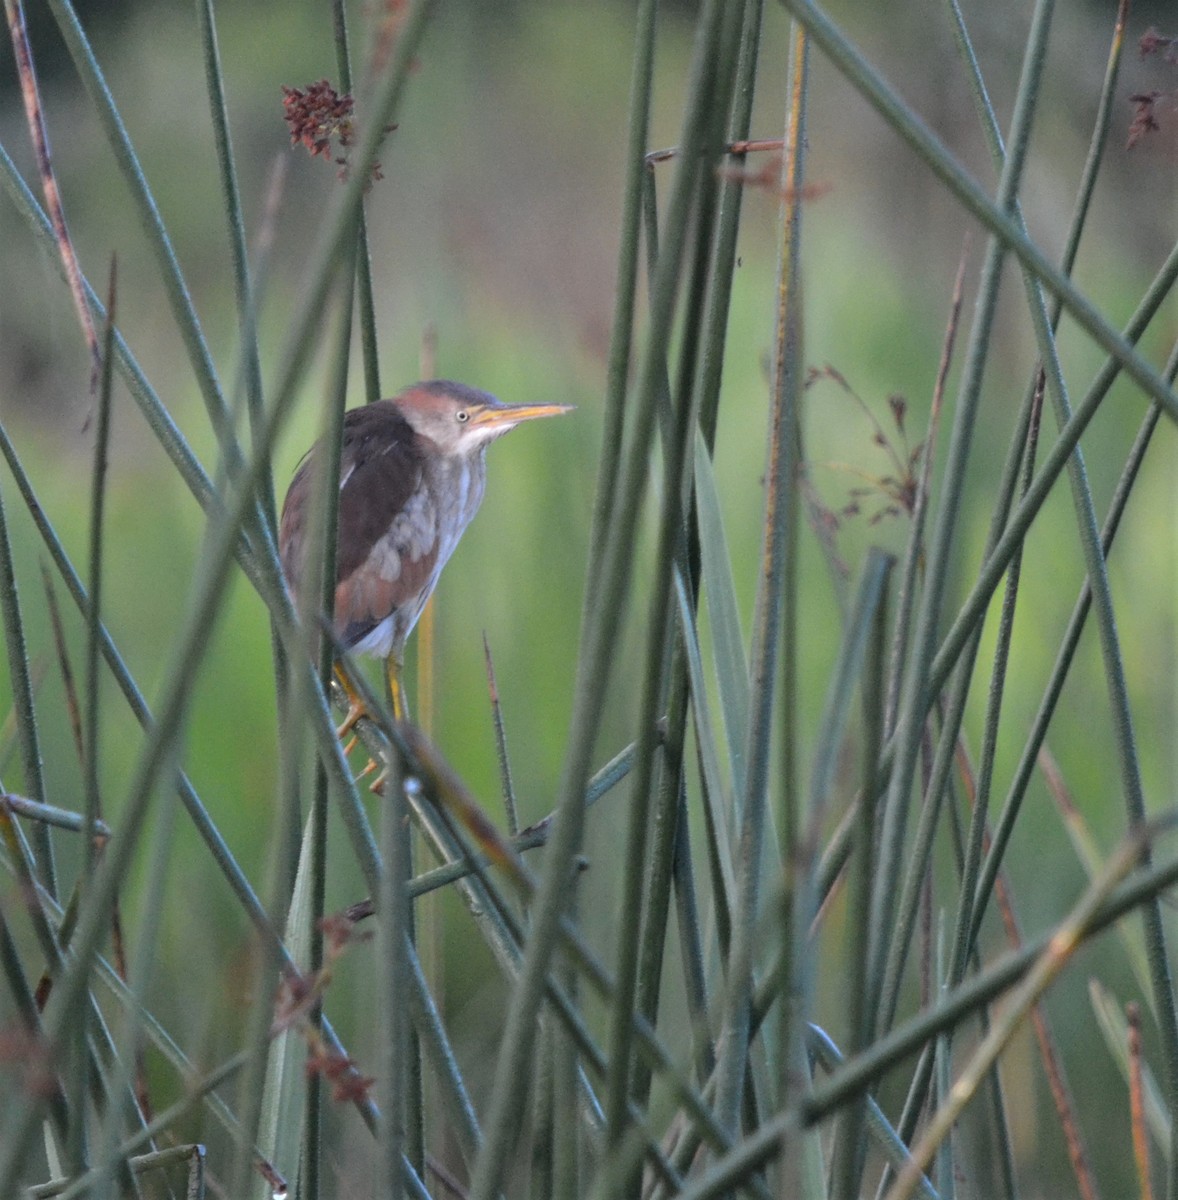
pixel 40 138
pixel 1061 1094
pixel 1137 1102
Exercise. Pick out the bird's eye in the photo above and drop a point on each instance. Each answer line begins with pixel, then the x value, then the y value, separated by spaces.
pixel 462 416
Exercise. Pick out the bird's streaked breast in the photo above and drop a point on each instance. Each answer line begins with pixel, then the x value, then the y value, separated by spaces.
pixel 412 536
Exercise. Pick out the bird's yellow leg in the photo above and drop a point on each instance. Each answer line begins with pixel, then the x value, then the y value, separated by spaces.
pixel 393 670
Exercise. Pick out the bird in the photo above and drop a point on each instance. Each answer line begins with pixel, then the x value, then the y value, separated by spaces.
pixel 412 476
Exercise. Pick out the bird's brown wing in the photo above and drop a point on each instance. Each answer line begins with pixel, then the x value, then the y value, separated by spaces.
pixel 380 469
pixel 388 543
pixel 292 525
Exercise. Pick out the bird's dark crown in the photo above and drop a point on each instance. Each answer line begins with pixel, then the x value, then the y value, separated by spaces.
pixel 460 393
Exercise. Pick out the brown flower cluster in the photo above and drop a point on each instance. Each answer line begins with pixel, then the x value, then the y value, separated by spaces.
pixel 297 996
pixel 1144 116
pixel 897 488
pixel 316 114
pixel 347 1082
pixel 1154 42
pixel 1145 104
pixel 322 120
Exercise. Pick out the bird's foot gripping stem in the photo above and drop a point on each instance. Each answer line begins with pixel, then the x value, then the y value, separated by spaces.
pixel 358 709
pixel 356 706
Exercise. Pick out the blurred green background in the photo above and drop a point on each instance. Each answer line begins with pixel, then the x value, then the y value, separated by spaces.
pixel 496 227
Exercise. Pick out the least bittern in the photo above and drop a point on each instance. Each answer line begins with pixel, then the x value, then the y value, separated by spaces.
pixel 412 475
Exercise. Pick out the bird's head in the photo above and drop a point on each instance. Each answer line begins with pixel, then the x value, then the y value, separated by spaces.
pixel 461 420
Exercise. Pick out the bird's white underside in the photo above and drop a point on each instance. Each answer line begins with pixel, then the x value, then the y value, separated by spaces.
pixel 411 537
pixel 379 641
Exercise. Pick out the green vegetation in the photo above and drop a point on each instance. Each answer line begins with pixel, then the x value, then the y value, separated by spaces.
pixel 842 758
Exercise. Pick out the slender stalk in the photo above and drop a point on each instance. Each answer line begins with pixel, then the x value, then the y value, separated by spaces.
pixel 39 134
pixel 959 1004
pixel 974 198
pixel 1137 1104
pixel 597 639
pixel 505 781
pixel 159 420
pixel 128 1056
pixel 1122 724
pixel 21 684
pixel 71 987
pixel 93 616
pixel 914 551
pixel 646 903
pixel 243 288
pixel 447 792
pixel 338 224
pixel 1054 463
pixel 916 696
pixel 322 533
pixel 849 1149
pixel 1062 665
pixel 1050 963
pixel 428 1023
pixel 218 850
pixel 690 941
pixel 369 350
pixel 880 1129
pixel 566 1125
pixel 175 287
pixel 771 632
pixel 622 333
pixel 728 225
pixel 90 763
pixel 920 857
pixel 394 935
pixel 702 340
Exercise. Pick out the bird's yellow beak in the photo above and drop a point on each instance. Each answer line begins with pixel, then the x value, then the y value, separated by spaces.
pixel 512 414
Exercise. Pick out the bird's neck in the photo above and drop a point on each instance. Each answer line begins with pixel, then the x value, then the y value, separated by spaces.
pixel 458 482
